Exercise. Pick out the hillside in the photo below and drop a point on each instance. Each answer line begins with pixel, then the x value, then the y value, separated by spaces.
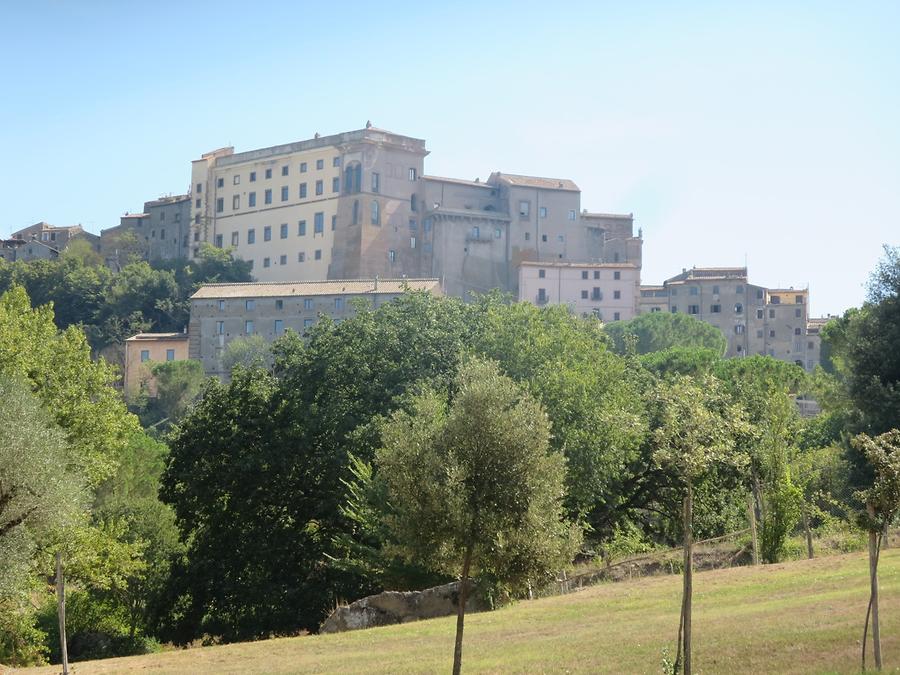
pixel 801 616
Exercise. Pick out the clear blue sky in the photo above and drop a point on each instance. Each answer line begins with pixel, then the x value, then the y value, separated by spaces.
pixel 728 129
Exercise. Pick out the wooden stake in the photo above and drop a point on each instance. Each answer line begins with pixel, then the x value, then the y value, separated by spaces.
pixel 809 544
pixel 688 575
pixel 751 510
pixel 61 610
pixel 873 578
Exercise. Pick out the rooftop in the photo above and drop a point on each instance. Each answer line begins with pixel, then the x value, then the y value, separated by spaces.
pixel 167 200
pixel 701 273
pixel 150 337
pixel 533 181
pixel 459 181
pixel 621 216
pixel 591 265
pixel 280 289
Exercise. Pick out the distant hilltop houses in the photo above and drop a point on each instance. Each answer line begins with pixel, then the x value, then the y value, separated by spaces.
pixel 321 220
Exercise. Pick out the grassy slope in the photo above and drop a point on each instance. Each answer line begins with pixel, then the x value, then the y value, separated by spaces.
pixel 801 616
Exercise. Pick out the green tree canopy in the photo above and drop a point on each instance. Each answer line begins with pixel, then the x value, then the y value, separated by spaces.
pixel 657 331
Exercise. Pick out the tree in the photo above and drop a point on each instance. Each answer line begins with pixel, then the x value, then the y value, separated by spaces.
pixel 662 330
pixel 474 484
pixel 694 432
pixel 882 502
pixel 247 352
pixel 177 384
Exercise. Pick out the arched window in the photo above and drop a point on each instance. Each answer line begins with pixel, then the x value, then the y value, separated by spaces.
pixel 355 219
pixel 376 213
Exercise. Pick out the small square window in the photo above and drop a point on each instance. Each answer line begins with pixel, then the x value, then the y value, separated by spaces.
pixel 170 355
pixel 617 295
pixel 524 209
pixel 302 167
pixel 318 255
pixel 282 260
pixel 320 164
pixel 584 274
pixel 542 274
pixel 145 355
pixel 237 179
pixel 268 173
pixel 543 237
pixel 596 274
pixel 584 295
pixel 617 275
pixel 284 170
pixel 301 257
pixel 249 305
pixel 528 236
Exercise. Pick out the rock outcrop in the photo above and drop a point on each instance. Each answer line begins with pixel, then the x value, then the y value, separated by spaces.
pixel 393 607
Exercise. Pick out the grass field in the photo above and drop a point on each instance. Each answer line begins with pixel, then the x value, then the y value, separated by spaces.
pixel 803 616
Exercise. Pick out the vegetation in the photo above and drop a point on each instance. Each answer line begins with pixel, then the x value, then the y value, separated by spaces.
pixel 659 331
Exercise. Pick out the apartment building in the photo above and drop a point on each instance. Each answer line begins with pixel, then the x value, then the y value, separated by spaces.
pixel 221 313
pixel 331 207
pixel 753 319
pixel 357 205
pixel 608 291
pixel 143 349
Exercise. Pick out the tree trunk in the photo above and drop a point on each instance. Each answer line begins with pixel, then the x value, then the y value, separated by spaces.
pixel 809 544
pixel 873 578
pixel 61 611
pixel 754 540
pixel 688 574
pixel 461 611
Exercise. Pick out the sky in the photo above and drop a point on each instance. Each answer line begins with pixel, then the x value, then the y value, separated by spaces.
pixel 765 132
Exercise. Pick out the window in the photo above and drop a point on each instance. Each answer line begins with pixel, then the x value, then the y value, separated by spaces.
pixel 251 199
pixel 199 188
pixel 571 214
pixel 674 309
pixel 267 233
pixel 542 274
pixel 796 331
pixel 335 184
pixel 771 333
pixel 319 223
pixel 560 237
pixel 320 164
pixel 284 193
pixel 527 236
pixel 220 328
pixel 617 275
pixel 237 179
pixel 798 313
pixel 759 293
pixel 302 190
pixel 234 238
pixel 617 295
pixel 476 232
pixel 771 313
pixel 248 327
pixel 693 309
pixel 798 299
pixel 596 274
pixel 584 274
pixel 307 303
pixel 339 303
pixel 413 225
pixel 279 304
pixel 301 228
pixel 542 212
pixel 694 290
pixel 584 295
pixel 197 219
pixel 759 314
pixel 775 300
pixel 282 260
pixel 715 290
pixel 236 202
pixel 715 309
pixel 249 305
pixel 392 255
pixel 354 218
pixel 738 308
pixel 221 305
pixel 284 170
pixel 251 235
pixel 674 291
pixel 375 182
pixel 162 233
pixel 301 257
pixel 279 326
pixel 220 205
pixel 524 209
pixel 267 197
pixel 267 262
pixel 307 323
pixel 335 161
pixel 412 173
pixel 616 316
pixel 376 213
pixel 152 235
pixel 170 355
pixel 412 242
pixel 302 167
pixel 810 345
pixel 543 237
pixel 283 231
pixel 739 289
pixel 739 329
pixel 333 223
pixel 320 187
pixel 740 348
pixel 220 182
pixel 318 254
pixel 759 333
pixel 596 293
pixel 145 355
pixel 542 296
pixel 197 203
pixel 268 173
pixel 252 176
pixel 413 203
pixel 218 241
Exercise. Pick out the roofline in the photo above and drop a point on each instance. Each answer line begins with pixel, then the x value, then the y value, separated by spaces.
pixel 317 281
pixel 463 181
pixel 537 263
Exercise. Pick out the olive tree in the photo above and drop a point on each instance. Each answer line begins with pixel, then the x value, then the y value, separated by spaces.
pixel 694 434
pixel 474 487
pixel 882 501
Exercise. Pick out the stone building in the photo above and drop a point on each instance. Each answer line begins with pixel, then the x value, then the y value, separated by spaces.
pixel 357 205
pixel 753 319
pixel 608 291
pixel 43 241
pixel 160 232
pixel 221 313
pixel 145 348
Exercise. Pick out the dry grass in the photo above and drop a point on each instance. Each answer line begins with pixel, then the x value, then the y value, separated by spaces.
pixel 803 616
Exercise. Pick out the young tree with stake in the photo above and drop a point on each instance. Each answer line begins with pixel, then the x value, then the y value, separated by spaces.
pixel 695 431
pixel 474 488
